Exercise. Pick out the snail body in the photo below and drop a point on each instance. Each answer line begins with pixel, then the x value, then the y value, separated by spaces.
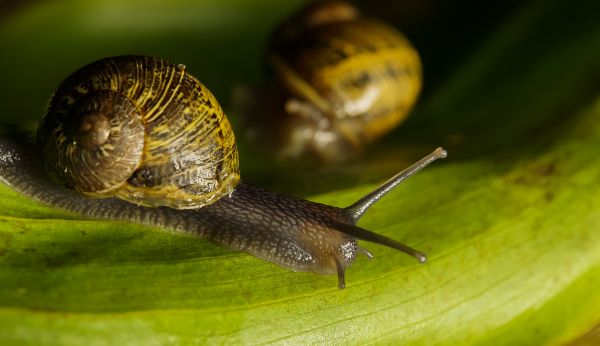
pixel 293 233
pixel 346 80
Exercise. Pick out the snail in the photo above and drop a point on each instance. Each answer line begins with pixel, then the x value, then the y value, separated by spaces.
pixel 341 81
pixel 181 173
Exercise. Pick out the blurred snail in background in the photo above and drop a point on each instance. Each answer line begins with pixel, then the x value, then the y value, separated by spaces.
pixel 341 81
pixel 153 142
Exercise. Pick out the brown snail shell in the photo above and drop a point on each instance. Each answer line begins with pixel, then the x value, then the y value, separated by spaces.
pixel 140 129
pixel 341 80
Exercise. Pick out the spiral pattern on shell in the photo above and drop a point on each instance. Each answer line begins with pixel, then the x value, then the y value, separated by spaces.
pixel 141 129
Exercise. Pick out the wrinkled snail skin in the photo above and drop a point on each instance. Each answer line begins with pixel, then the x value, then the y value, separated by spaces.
pixel 294 233
pixel 348 80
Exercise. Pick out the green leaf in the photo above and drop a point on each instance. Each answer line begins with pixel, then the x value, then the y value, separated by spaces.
pixel 510 221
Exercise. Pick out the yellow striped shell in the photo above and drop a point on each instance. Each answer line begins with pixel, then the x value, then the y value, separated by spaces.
pixel 349 79
pixel 140 129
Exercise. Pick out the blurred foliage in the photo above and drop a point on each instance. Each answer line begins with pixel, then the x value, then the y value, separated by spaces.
pixel 511 220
